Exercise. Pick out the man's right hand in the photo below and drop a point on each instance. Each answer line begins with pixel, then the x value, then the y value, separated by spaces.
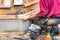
pixel 26 17
pixel 31 16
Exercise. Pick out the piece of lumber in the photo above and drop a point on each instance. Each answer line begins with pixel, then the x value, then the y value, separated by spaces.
pixel 8 17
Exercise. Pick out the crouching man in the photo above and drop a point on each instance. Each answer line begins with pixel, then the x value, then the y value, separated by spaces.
pixel 50 10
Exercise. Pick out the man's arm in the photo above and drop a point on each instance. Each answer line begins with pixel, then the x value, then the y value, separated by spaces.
pixel 43 8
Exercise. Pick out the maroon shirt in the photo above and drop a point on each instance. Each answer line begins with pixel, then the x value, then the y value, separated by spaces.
pixel 49 8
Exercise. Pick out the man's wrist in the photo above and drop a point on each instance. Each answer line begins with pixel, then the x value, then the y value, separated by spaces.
pixel 33 16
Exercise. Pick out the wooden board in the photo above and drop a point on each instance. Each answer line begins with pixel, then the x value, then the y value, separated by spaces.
pixel 11 34
pixel 28 14
pixel 10 11
pixel 31 8
pixel 8 17
pixel 27 3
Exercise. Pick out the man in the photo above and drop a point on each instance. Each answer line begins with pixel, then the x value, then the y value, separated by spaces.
pixel 50 9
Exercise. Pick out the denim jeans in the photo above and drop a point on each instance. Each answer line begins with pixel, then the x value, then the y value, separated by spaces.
pixel 53 21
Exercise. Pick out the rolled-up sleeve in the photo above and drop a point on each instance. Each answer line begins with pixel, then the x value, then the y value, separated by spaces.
pixel 43 8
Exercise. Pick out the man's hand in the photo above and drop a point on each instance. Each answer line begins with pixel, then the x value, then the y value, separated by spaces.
pixel 31 16
pixel 26 17
pixel 27 35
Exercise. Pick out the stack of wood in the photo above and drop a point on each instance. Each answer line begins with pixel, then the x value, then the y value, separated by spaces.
pixel 13 12
pixel 28 7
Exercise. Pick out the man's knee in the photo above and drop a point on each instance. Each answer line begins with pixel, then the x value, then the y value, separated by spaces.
pixel 34 30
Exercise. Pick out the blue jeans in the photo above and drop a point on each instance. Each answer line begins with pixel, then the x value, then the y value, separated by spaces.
pixel 53 21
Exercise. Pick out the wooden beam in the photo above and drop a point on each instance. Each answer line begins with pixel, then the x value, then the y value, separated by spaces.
pixel 11 34
pixel 27 3
pixel 28 14
pixel 31 8
pixel 8 17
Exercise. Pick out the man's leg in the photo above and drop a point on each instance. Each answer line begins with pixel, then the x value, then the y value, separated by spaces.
pixel 54 23
pixel 34 31
pixel 54 30
pixel 59 28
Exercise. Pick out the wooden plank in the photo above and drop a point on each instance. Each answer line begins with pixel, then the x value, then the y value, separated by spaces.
pixel 8 16
pixel 11 34
pixel 28 14
pixel 27 3
pixel 8 11
pixel 31 8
